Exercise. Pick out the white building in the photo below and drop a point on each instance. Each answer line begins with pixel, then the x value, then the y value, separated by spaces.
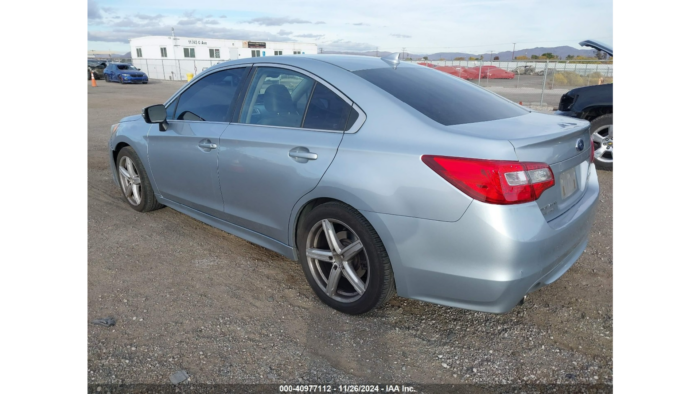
pixel 167 57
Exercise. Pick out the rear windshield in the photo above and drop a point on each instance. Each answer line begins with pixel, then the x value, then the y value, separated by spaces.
pixel 441 97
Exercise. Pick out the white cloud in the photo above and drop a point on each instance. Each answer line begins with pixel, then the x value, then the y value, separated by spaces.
pixel 472 26
pixel 270 21
pixel 94 11
pixel 314 36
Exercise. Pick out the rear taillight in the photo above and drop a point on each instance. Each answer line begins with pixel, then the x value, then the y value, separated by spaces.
pixel 494 181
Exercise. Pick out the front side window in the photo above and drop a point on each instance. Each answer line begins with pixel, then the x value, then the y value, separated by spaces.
pixel 189 52
pixel 138 52
pixel 255 53
pixel 214 53
pixel 276 97
pixel 163 52
pixel 210 98
pixel 441 97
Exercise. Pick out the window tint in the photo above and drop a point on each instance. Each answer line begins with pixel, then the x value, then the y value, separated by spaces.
pixel 276 97
pixel 210 98
pixel 326 110
pixel 441 97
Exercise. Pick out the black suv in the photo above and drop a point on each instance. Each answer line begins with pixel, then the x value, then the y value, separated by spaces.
pixel 595 104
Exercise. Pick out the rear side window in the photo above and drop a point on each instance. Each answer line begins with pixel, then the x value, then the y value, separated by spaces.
pixel 210 98
pixel 443 98
pixel 326 110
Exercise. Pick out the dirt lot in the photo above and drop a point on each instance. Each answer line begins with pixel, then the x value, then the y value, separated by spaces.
pixel 186 296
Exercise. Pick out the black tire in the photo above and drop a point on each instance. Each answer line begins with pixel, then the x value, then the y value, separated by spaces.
pixel 89 75
pixel 599 124
pixel 121 80
pixel 380 286
pixel 148 200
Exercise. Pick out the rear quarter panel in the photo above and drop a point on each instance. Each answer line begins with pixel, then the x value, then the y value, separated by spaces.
pixel 379 168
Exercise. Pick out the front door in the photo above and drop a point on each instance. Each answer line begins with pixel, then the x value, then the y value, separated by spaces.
pixel 279 149
pixel 184 158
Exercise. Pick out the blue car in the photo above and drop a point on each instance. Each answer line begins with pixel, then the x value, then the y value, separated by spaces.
pixel 124 73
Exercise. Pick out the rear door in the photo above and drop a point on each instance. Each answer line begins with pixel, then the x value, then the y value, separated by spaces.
pixel 284 139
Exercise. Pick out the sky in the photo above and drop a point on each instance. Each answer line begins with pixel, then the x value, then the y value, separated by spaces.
pixel 421 27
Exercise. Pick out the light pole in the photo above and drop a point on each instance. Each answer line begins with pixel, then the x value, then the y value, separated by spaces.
pixel 513 56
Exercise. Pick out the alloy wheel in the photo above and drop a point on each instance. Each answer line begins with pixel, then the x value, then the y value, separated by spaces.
pixel 337 260
pixel 130 180
pixel 603 143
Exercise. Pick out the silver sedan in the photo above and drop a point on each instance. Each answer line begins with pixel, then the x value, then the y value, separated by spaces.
pixel 378 176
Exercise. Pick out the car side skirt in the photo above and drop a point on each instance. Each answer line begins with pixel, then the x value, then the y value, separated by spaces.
pixel 241 232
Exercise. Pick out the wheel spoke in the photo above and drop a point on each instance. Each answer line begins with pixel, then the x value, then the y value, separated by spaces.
pixel 130 167
pixel 352 277
pixel 351 250
pixel 136 193
pixel 320 254
pixel 124 172
pixel 610 135
pixel 128 191
pixel 597 138
pixel 599 152
pixel 331 236
pixel 136 180
pixel 333 278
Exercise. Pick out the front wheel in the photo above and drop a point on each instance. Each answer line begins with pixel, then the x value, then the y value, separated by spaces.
pixel 121 80
pixel 344 260
pixel 134 182
pixel 602 135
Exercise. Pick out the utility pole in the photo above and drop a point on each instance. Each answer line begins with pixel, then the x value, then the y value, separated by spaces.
pixel 513 56
pixel 491 56
pixel 403 50
pixel 320 50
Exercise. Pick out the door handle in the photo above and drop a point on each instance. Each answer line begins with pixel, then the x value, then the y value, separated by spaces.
pixel 207 145
pixel 302 154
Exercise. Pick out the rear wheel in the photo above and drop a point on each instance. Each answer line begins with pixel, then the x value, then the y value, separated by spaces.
pixel 344 260
pixel 602 134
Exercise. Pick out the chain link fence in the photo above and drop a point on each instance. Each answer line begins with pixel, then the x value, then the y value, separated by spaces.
pixel 537 84
pixel 534 83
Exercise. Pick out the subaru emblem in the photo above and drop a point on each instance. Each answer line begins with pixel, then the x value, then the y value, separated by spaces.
pixel 579 145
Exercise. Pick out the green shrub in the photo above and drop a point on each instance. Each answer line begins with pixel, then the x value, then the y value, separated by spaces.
pixel 559 79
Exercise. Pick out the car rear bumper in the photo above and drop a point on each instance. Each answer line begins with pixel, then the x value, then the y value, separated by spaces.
pixel 491 257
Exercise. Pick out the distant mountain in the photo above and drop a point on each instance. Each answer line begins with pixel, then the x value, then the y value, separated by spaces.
pixel 561 51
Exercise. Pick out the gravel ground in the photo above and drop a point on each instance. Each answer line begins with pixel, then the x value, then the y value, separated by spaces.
pixel 187 296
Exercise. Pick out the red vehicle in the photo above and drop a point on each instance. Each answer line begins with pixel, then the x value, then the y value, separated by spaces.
pixel 431 65
pixel 493 72
pixel 461 72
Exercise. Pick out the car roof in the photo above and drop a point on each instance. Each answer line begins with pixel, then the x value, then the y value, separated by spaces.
pixel 347 62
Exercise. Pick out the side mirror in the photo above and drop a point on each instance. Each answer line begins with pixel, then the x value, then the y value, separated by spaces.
pixel 139 69
pixel 156 114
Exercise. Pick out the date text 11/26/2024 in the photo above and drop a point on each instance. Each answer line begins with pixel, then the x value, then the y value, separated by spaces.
pixel 346 388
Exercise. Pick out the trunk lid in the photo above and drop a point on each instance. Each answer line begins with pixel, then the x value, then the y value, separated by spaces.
pixel 549 139
pixel 597 45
